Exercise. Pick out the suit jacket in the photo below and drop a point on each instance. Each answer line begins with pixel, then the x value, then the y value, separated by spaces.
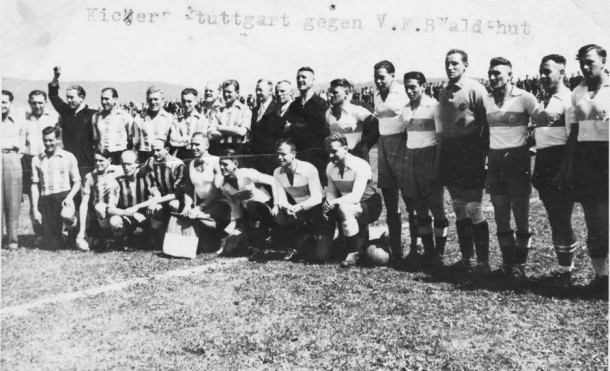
pixel 264 133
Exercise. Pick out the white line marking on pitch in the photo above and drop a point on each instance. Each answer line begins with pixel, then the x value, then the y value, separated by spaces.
pixel 23 309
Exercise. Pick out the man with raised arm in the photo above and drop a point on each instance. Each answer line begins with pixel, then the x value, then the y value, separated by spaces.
pixel 76 122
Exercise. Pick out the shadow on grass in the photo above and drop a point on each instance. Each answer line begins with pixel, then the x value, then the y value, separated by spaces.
pixel 456 275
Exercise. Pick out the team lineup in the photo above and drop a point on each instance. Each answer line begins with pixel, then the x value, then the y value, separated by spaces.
pixel 299 168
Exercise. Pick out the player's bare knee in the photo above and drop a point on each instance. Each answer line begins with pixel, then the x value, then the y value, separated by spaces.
pixel 475 212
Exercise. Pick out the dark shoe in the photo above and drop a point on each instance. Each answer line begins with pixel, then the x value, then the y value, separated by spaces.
pixel 482 269
pixel 468 265
pixel 562 278
pixel 350 260
pixel 256 255
pixel 502 273
pixel 436 261
pixel 518 272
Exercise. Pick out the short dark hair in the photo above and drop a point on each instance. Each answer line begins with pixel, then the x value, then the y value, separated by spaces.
pixel 115 94
pixel 587 48
pixel 231 155
pixel 267 81
pixel 306 69
pixel 52 130
pixel 337 137
pixel 231 82
pixel 460 52
pixel 343 83
pixel 102 152
pixel 8 94
pixel 559 59
pixel 37 92
pixel 287 141
pixel 386 65
pixel 79 89
pixel 415 75
pixel 500 61
pixel 188 91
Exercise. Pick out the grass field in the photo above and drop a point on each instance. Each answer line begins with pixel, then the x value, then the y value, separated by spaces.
pixel 66 310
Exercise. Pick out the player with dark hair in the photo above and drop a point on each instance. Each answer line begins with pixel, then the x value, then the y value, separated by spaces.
pixel 186 124
pixel 101 184
pixel 112 126
pixel 245 188
pixel 351 199
pixel 508 110
pixel 390 99
pixel 346 118
pixel 231 124
pixel 551 133
pixel 55 183
pixel 422 183
pixel 587 157
pixel 76 123
pixel 463 135
pixel 306 122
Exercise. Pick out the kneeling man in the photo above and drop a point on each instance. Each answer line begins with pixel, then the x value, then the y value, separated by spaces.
pixel 350 197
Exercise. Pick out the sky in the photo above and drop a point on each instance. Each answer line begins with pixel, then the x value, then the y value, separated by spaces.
pixel 108 40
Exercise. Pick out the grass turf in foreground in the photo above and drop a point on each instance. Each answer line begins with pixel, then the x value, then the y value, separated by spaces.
pixel 281 316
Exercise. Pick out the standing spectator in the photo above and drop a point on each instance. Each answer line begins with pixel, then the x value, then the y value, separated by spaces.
pixel 76 122
pixel 266 129
pixel 575 80
pixel 112 127
pixel 231 124
pixel 212 101
pixel 12 143
pixel 283 96
pixel 306 120
pixel 527 84
pixel 155 124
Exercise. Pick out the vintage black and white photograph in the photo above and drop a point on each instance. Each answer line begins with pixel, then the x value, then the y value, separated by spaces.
pixel 304 185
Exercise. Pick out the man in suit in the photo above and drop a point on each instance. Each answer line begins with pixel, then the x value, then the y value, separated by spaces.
pixel 266 129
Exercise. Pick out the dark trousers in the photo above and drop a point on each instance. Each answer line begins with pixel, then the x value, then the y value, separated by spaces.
pixel 12 185
pixel 559 210
pixel 50 208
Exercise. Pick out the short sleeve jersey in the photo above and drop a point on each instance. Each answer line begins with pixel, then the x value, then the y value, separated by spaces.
pixel 350 122
pixel 237 114
pixel 147 129
pixel 592 114
pixel 183 128
pixel 165 177
pixel 388 111
pixel 112 131
pixel 55 173
pixel 103 187
pixel 508 124
pixel 551 126
pixel 419 123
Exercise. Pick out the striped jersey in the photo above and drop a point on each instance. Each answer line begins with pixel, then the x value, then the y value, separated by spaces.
pixel 103 187
pixel 113 130
pixel 419 123
pixel 341 184
pixel 165 177
pixel 388 111
pixel 237 114
pixel 33 131
pixel 183 128
pixel 591 114
pixel 147 129
pixel 305 183
pixel 132 190
pixel 508 124
pixel 551 120
pixel 55 173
